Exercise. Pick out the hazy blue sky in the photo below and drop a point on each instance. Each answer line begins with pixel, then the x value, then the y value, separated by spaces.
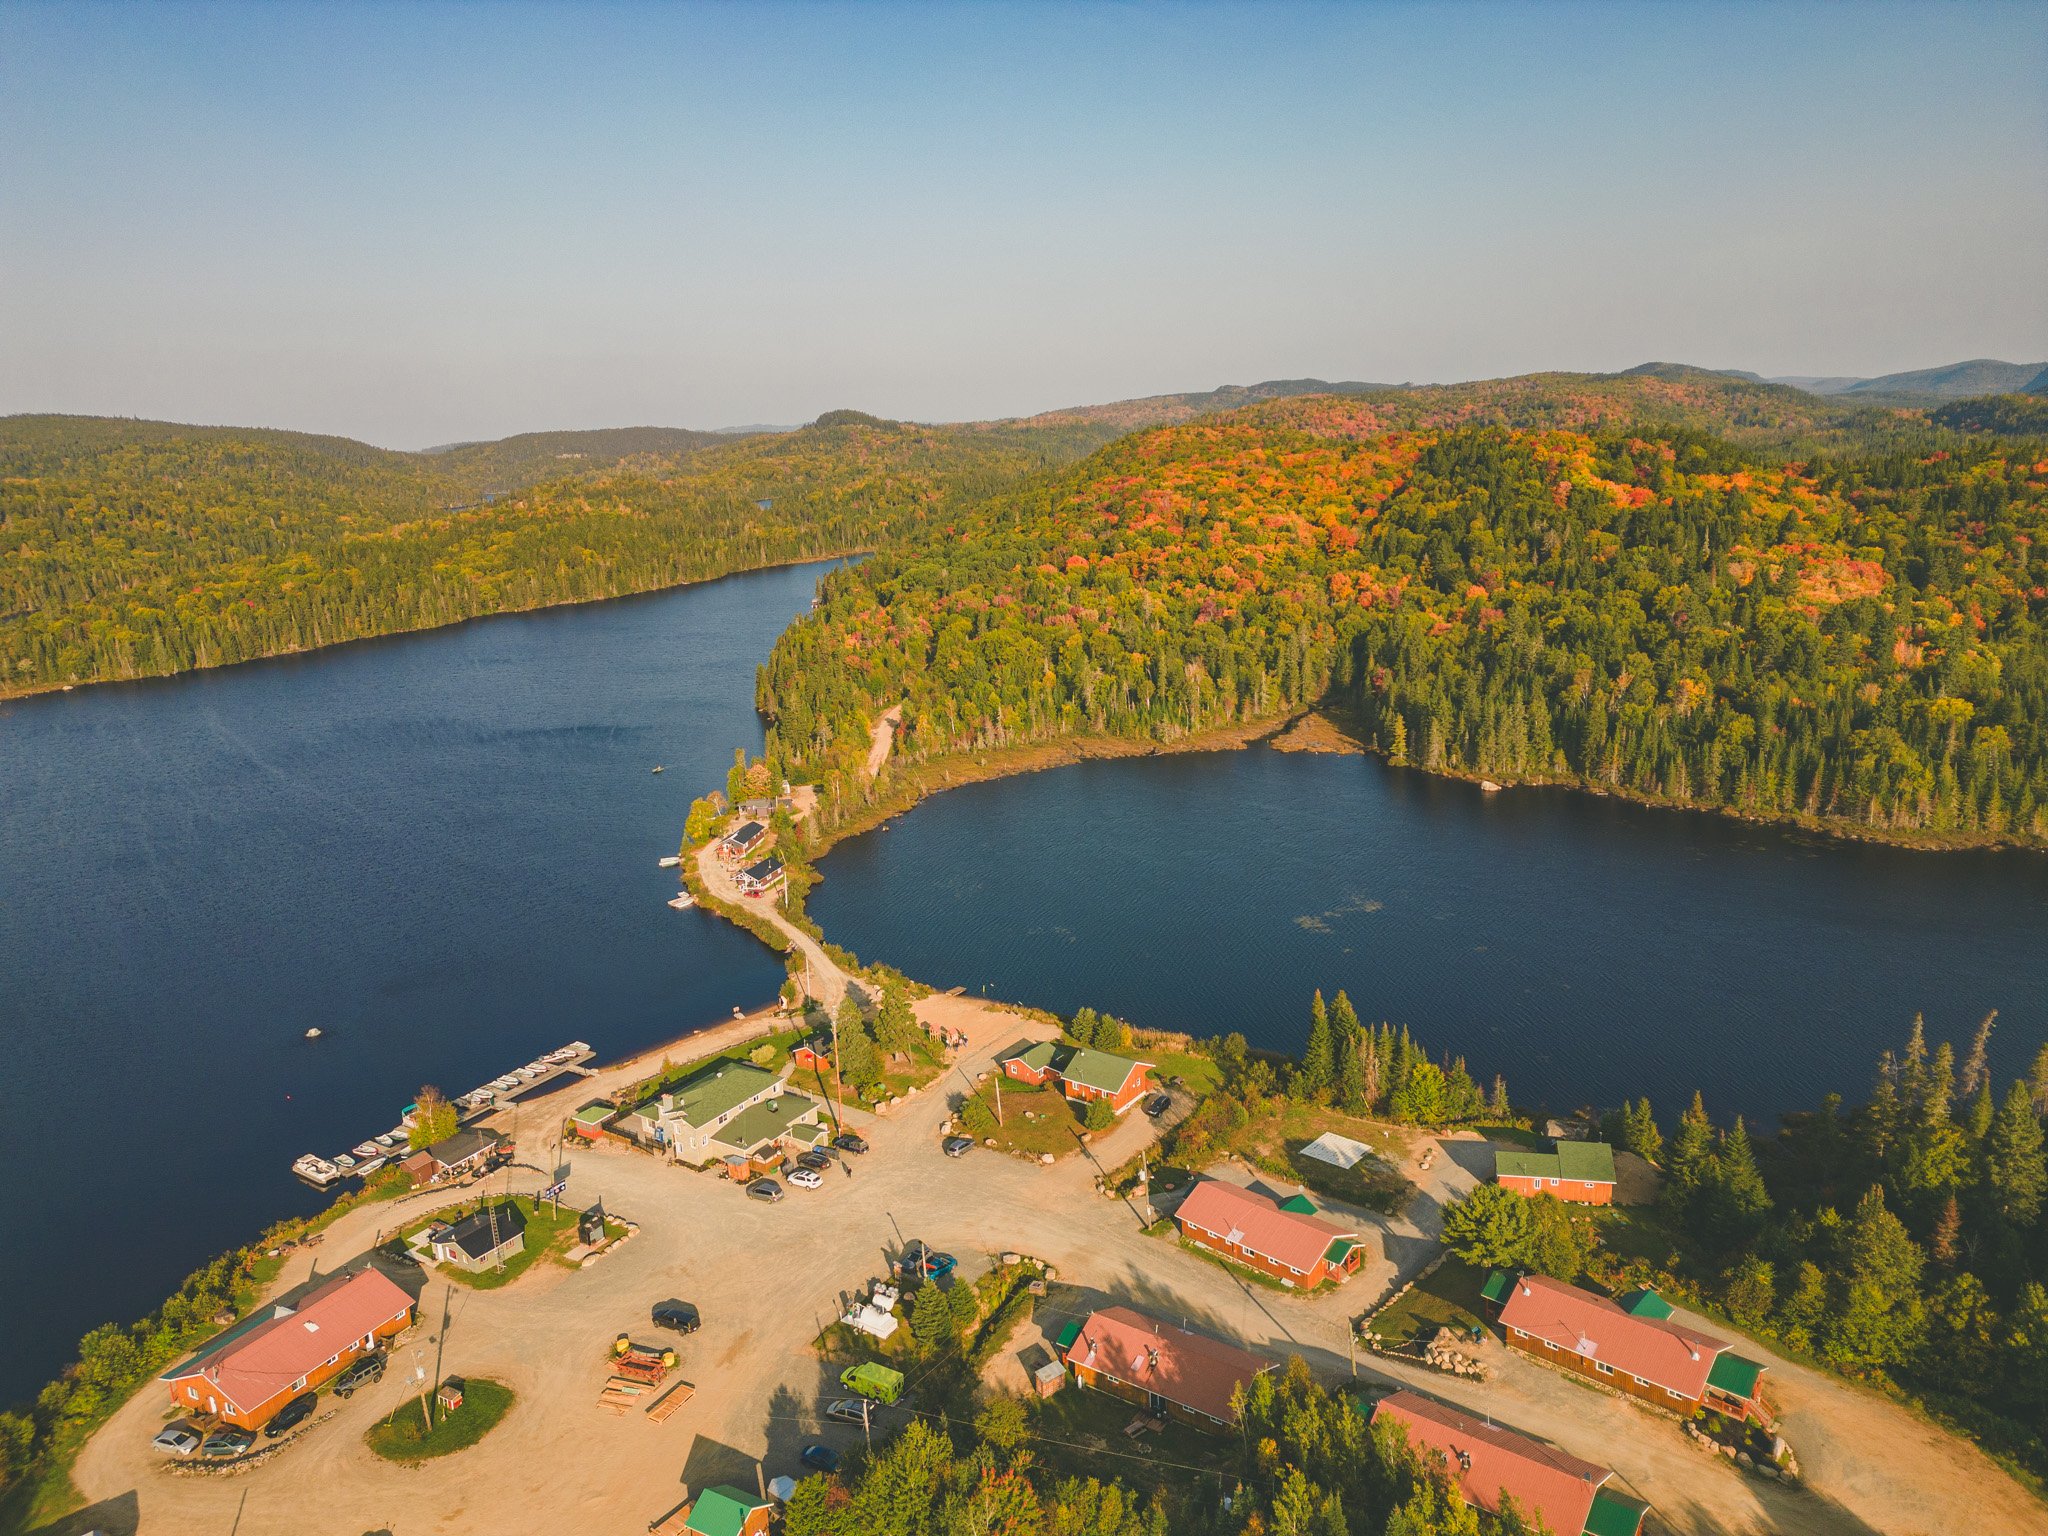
pixel 416 223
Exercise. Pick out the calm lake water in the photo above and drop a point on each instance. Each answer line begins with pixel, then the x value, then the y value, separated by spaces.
pixel 439 849
pixel 1587 948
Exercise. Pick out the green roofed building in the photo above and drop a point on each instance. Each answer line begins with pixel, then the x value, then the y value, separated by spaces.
pixel 1579 1171
pixel 725 1511
pixel 1080 1072
pixel 711 1113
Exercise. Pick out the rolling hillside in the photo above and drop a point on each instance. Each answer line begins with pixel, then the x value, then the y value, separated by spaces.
pixel 1558 578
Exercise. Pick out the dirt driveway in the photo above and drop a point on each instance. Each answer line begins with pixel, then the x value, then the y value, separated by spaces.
pixel 768 1277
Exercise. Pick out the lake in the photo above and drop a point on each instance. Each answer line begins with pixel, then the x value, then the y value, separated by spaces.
pixel 438 849
pixel 1587 948
pixel 441 850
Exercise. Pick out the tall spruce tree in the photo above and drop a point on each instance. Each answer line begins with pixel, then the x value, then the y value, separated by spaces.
pixel 2014 1167
pixel 1977 1065
pixel 1312 1080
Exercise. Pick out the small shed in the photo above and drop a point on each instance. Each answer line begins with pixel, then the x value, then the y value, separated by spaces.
pixel 450 1394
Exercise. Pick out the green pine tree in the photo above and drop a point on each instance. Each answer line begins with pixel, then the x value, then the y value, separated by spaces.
pixel 2014 1167
pixel 1318 1058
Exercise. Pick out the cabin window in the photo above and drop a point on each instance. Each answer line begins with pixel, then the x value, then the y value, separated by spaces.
pixel 1603 1367
pixel 1680 1396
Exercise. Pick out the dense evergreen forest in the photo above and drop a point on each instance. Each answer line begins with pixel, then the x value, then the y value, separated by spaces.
pixel 1688 589
pixel 134 549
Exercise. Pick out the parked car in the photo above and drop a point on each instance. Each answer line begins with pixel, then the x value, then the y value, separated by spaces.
pixel 819 1458
pixel 227 1441
pixel 676 1316
pixel 765 1189
pixel 816 1160
pixel 366 1370
pixel 849 1141
pixel 852 1410
pixel 179 1439
pixel 1158 1104
pixel 957 1146
pixel 291 1415
pixel 806 1178
pixel 925 1263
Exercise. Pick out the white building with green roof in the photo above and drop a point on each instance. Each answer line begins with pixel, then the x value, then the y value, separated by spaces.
pixel 730 1107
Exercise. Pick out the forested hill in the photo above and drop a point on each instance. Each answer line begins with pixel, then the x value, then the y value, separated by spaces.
pixel 513 462
pixel 1566 580
pixel 131 549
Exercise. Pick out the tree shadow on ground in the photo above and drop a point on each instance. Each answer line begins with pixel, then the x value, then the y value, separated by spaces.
pixel 118 1516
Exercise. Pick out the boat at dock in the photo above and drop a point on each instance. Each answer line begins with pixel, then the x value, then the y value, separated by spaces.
pixel 387 1150
pixel 683 901
pixel 671 861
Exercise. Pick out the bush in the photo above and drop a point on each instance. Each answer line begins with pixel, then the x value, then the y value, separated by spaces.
pixel 1099 1116
pixel 977 1117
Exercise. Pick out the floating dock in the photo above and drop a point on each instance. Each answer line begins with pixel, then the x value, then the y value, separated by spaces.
pixel 373 1153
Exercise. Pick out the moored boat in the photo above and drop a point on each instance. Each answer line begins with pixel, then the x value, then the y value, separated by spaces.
pixel 683 901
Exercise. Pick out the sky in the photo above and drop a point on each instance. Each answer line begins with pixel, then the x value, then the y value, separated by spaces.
pixel 424 223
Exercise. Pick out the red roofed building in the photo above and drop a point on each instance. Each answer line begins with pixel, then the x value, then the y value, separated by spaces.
pixel 263 1362
pixel 1488 1464
pixel 1637 1349
pixel 1286 1239
pixel 1169 1370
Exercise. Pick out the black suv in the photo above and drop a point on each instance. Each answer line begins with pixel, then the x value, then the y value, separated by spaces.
pixel 366 1370
pixel 850 1142
pixel 291 1415
pixel 676 1316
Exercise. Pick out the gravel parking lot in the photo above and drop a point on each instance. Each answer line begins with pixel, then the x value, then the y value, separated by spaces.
pixel 768 1277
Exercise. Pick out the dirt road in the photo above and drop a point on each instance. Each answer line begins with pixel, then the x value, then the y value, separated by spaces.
pixel 767 1277
pixel 828 981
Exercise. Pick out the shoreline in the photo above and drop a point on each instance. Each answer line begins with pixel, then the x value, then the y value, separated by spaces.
pixel 12 695
pixel 1327 730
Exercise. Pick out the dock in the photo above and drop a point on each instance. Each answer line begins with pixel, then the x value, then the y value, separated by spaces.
pixel 375 1152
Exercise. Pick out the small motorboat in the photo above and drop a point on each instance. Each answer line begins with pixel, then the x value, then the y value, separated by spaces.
pixel 671 861
pixel 505 1083
pixel 387 1141
pixel 683 901
pixel 370 1165
pixel 658 768
pixel 365 1149
pixel 313 1033
pixel 578 1048
pixel 343 1161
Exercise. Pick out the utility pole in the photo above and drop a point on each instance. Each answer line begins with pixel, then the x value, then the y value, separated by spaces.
pixel 998 1075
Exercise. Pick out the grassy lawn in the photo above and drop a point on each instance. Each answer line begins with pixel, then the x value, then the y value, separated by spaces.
pixel 1274 1137
pixel 1515 1136
pixel 1035 1121
pixel 1449 1298
pixel 1084 1437
pixel 403 1436
pixel 1197 1073
pixel 927 1060
pixel 550 1231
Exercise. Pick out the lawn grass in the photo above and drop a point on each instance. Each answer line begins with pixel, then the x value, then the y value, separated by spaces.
pixel 1199 1074
pixel 403 1436
pixel 1447 1298
pixel 1273 1138
pixel 1515 1136
pixel 1035 1121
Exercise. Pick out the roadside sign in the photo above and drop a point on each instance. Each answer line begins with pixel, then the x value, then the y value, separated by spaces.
pixel 554 1191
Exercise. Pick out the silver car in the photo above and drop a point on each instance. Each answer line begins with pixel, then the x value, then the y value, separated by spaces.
pixel 176 1440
